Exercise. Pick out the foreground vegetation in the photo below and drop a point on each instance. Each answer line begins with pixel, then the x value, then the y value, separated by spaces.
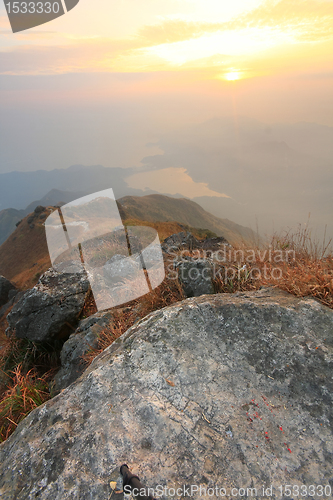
pixel 292 262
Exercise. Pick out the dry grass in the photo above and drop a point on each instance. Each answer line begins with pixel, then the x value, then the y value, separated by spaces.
pixel 311 271
pixel 305 269
pixel 293 262
pixel 25 392
pixel 26 372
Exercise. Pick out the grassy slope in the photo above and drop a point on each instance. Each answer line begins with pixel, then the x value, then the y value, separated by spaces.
pixel 24 255
pixel 157 207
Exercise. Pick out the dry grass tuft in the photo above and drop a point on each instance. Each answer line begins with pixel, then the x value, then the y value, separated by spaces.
pixel 311 271
pixel 25 392
pixel 26 371
pixel 293 262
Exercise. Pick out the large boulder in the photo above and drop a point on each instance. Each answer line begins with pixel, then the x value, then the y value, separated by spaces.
pixel 79 343
pixel 226 391
pixel 6 290
pixel 51 308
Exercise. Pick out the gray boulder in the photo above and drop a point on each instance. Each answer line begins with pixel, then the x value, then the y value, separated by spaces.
pixel 121 267
pixel 6 287
pixel 180 241
pixel 186 241
pixel 195 276
pixel 52 306
pixel 227 391
pixel 79 343
pixel 14 296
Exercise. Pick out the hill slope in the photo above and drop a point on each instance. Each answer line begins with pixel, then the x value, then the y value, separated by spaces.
pixel 8 219
pixel 24 255
pixel 10 216
pixel 156 207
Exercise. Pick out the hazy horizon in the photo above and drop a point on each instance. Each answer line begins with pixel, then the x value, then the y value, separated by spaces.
pixel 232 103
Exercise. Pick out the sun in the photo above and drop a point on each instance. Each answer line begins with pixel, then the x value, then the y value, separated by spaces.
pixel 232 76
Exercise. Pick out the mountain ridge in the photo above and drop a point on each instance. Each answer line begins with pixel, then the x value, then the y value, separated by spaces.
pixel 24 255
pixel 185 211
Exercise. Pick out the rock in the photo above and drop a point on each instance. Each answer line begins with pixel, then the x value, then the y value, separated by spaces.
pixel 52 306
pixel 195 276
pixel 12 293
pixel 39 209
pixel 6 287
pixel 13 298
pixel 79 343
pixel 214 243
pixel 120 267
pixel 180 241
pixel 229 390
pixel 186 241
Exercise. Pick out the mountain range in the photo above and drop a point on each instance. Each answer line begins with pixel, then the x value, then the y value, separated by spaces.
pixel 24 255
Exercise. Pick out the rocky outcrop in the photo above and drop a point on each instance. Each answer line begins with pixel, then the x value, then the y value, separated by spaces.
pixel 6 290
pixel 186 241
pixel 51 308
pixel 227 391
pixel 180 241
pixel 79 343
pixel 195 277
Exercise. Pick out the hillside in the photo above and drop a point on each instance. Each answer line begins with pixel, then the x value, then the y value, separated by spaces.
pixel 10 216
pixel 8 219
pixel 24 255
pixel 156 207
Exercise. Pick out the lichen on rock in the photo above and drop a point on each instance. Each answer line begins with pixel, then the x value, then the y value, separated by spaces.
pixel 220 390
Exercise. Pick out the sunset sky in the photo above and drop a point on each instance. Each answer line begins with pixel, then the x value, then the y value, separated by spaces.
pixel 105 82
pixel 225 40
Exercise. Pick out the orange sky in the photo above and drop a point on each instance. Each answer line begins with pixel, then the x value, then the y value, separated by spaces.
pixel 105 82
pixel 247 39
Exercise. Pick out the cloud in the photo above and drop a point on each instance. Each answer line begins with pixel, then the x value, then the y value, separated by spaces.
pixel 171 31
pixel 81 55
pixel 310 20
pixel 271 24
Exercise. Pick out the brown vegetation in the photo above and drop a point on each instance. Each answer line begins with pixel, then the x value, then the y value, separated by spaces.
pixel 166 294
pixel 293 262
pixel 306 269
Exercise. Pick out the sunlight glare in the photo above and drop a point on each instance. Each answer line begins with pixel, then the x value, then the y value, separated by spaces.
pixel 232 76
pixel 228 43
